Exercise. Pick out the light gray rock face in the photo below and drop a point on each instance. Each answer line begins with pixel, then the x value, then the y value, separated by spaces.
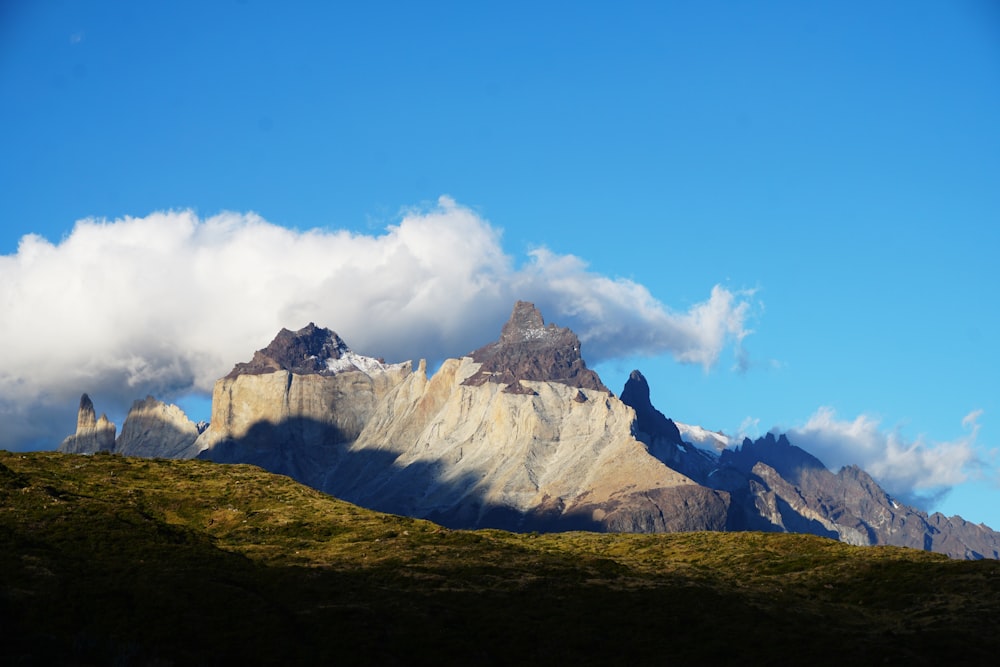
pixel 297 405
pixel 549 454
pixel 469 456
pixel 92 434
pixel 290 423
pixel 478 455
pixel 158 430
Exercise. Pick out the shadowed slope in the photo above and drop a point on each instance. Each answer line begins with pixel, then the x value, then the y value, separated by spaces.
pixel 108 560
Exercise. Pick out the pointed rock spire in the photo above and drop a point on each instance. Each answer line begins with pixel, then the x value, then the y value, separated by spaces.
pixel 530 350
pixel 87 416
pixel 524 324
pixel 92 434
pixel 649 420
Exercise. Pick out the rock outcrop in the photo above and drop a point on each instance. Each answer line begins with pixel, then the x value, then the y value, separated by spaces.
pixel 92 434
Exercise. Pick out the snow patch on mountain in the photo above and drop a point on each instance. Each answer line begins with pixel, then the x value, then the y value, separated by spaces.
pixel 712 441
pixel 352 361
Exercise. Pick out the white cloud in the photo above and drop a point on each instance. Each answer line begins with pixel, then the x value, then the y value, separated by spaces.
pixel 167 303
pixel 917 471
pixel 618 317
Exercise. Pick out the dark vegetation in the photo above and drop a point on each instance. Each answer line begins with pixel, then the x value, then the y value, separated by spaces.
pixel 111 560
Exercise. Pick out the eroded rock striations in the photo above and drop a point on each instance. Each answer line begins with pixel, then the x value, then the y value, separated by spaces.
pixel 519 435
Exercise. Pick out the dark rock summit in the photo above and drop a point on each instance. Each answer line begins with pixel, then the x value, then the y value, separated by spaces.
pixel 305 351
pixel 530 350
pixel 649 420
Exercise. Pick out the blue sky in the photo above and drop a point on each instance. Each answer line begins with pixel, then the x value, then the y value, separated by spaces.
pixel 785 214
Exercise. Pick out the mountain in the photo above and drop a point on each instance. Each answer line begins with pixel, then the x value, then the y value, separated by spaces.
pixel 520 435
pixel 535 442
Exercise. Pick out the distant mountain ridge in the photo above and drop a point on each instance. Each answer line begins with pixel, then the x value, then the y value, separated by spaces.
pixel 519 435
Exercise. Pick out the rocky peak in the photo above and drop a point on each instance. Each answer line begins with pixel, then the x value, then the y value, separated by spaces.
pixel 525 323
pixel 93 434
pixel 157 429
pixel 86 417
pixel 649 420
pixel 530 350
pixel 306 351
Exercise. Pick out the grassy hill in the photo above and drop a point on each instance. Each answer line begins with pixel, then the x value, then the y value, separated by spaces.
pixel 112 560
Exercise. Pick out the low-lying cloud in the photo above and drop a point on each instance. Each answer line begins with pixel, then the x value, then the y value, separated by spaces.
pixel 166 304
pixel 919 472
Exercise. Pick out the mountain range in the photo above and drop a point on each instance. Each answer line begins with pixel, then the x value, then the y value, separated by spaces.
pixel 519 435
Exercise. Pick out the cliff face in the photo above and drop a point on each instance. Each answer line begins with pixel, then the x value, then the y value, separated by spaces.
pixel 549 448
pixel 291 423
pixel 295 407
pixel 479 456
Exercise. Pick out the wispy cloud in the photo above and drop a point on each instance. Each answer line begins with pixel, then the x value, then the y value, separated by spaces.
pixel 918 471
pixel 167 303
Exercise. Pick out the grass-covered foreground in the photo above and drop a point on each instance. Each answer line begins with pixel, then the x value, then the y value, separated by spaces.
pixel 110 560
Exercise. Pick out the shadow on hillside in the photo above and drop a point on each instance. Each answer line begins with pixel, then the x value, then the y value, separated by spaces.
pixel 319 455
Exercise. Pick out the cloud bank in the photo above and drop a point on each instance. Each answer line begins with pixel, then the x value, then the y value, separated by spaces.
pixel 919 472
pixel 166 304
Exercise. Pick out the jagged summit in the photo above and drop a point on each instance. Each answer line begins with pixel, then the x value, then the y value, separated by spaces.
pixel 310 350
pixel 790 461
pixel 530 350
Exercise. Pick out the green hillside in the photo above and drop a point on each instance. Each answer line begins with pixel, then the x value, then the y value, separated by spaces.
pixel 112 560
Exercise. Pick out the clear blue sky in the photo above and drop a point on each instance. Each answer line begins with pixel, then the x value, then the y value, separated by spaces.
pixel 834 166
